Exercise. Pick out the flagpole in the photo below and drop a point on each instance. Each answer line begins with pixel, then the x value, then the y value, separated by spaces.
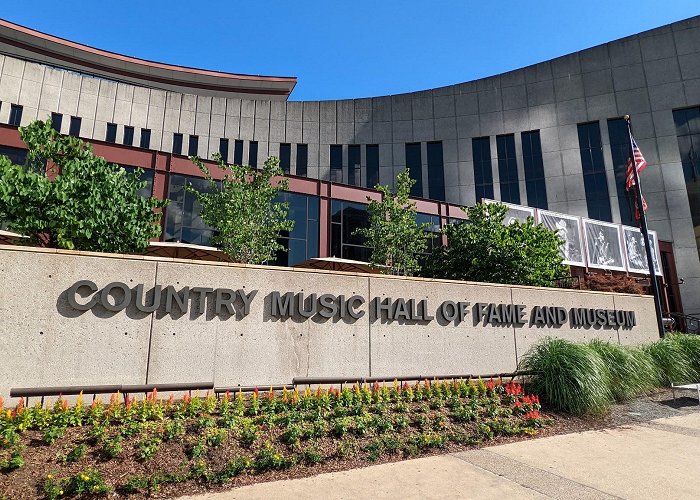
pixel 645 234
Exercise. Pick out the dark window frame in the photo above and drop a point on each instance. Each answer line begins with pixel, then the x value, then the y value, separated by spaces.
pixel 75 124
pixel 286 157
pixel 111 133
pixel 56 121
pixel 223 149
pixel 145 138
pixel 483 168
pixel 508 178
pixel 414 164
pixel 177 143
pixel 533 166
pixel 15 115
pixel 595 178
pixel 436 170
pixel 302 163
pixel 193 145
pixel 128 139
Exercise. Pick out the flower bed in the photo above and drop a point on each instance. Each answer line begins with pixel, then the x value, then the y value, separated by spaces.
pixel 138 447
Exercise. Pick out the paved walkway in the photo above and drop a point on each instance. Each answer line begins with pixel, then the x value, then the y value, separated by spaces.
pixel 655 459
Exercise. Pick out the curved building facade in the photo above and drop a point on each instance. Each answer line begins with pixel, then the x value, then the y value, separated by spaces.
pixel 549 136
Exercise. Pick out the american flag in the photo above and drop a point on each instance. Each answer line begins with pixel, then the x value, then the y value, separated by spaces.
pixel 640 162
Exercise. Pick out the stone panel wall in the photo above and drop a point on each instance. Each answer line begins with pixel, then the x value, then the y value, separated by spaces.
pixel 47 342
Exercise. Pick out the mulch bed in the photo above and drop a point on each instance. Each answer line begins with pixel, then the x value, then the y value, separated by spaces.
pixel 42 459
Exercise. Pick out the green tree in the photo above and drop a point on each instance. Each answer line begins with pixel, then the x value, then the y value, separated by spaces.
pixel 484 249
pixel 90 205
pixel 397 241
pixel 242 210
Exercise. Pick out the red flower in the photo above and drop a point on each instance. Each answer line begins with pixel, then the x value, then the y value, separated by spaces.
pixel 490 384
pixel 532 415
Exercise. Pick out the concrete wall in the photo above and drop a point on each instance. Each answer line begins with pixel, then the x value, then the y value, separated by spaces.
pixel 46 342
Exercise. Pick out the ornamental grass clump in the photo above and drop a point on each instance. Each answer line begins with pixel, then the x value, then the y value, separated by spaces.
pixel 690 345
pixel 632 371
pixel 571 377
pixel 672 358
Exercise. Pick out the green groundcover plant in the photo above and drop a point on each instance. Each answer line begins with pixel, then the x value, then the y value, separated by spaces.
pixel 214 440
pixel 582 378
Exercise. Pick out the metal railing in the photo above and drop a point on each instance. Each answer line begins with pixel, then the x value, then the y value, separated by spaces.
pixel 685 323
pixel 125 390
pixel 71 390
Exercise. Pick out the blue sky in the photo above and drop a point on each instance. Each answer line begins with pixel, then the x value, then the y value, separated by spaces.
pixel 352 48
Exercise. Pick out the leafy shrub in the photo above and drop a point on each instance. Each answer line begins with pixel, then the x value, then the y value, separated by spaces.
pixel 88 482
pixel 90 205
pixel 76 453
pixel 610 283
pixel 311 455
pixel 270 459
pixel 485 249
pixel 572 377
pixel 112 447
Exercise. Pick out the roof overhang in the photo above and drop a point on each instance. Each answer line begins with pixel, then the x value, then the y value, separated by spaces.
pixel 26 43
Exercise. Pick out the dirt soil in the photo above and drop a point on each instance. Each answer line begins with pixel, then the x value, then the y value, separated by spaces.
pixel 169 456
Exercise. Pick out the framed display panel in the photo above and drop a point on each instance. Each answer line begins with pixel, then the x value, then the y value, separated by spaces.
pixel 636 253
pixel 568 227
pixel 515 212
pixel 603 245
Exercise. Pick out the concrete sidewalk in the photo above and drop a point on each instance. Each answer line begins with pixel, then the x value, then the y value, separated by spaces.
pixel 656 459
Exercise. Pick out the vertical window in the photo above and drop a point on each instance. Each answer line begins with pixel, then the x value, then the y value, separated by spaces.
pixel 253 154
pixel 193 145
pixel 223 149
pixel 354 168
pixel 15 115
pixel 372 154
pixel 146 175
pixel 302 159
pixel 128 136
pixel 534 170
pixel 620 150
pixel 17 156
pixel 436 172
pixel 346 217
pixel 111 135
pixel 483 176
pixel 508 169
pixel 286 158
pixel 177 144
pixel 145 141
pixel 75 123
pixel 183 220
pixel 301 242
pixel 434 229
pixel 595 181
pixel 56 120
pixel 336 157
pixel 688 134
pixel 238 153
pixel 415 167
